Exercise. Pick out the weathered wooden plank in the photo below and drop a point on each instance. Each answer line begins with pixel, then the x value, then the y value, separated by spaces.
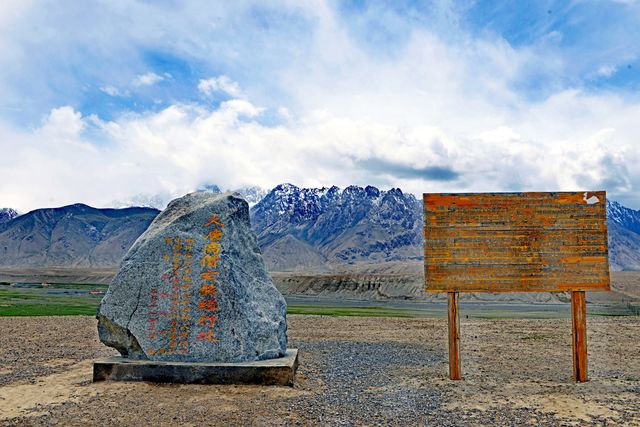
pixel 579 335
pixel 510 199
pixel 455 371
pixel 516 242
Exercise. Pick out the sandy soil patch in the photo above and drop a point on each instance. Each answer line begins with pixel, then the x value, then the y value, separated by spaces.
pixel 33 399
pixel 354 371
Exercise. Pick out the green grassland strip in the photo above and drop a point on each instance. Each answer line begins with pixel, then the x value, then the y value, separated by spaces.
pixel 49 310
pixel 351 311
pixel 79 286
pixel 18 301
pixel 26 302
pixel 70 286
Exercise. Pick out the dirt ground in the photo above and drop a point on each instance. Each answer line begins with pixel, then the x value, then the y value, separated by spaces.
pixel 353 371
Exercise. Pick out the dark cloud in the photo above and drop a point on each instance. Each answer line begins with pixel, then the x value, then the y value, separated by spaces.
pixel 429 173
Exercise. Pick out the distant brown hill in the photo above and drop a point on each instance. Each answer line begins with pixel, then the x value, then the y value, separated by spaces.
pixel 306 230
pixel 71 236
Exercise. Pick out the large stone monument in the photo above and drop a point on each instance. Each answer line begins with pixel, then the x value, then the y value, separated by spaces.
pixel 193 301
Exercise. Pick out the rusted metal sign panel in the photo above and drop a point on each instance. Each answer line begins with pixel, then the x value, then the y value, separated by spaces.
pixel 495 242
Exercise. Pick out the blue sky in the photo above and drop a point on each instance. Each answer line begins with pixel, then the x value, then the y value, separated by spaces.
pixel 102 102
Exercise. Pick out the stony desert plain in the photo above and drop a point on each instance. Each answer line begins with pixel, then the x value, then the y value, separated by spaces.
pixel 386 368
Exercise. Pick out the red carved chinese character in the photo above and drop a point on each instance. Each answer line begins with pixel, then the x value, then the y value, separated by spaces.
pixel 214 220
pixel 213 248
pixel 210 261
pixel 215 235
pixel 207 336
pixel 208 320
pixel 209 290
pixel 208 305
pixel 209 276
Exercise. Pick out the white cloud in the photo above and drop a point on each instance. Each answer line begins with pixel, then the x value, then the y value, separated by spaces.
pixel 147 79
pixel 606 70
pixel 110 90
pixel 114 91
pixel 437 113
pixel 63 122
pixel 175 150
pixel 502 134
pixel 220 84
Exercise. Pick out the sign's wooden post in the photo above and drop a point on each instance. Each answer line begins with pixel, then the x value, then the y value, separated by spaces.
pixel 579 335
pixel 517 242
pixel 454 337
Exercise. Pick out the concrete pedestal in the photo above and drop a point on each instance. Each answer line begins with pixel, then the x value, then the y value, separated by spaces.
pixel 279 371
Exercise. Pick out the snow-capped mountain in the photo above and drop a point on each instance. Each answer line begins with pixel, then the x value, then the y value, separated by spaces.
pixel 313 228
pixel 625 217
pixel 7 214
pixel 252 194
pixel 155 201
pixel 301 228
pixel 624 237
pixel 209 188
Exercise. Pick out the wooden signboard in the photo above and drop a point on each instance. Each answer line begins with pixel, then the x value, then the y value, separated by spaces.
pixel 509 242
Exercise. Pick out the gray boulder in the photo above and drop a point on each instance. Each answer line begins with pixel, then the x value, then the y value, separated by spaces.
pixel 194 288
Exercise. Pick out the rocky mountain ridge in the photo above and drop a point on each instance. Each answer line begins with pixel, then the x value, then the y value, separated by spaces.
pixel 623 216
pixel 71 236
pixel 7 214
pixel 252 194
pixel 313 230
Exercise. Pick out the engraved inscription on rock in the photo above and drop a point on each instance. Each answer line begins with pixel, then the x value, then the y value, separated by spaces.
pixel 194 288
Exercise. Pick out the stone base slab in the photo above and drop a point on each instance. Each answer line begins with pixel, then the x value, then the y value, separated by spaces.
pixel 280 371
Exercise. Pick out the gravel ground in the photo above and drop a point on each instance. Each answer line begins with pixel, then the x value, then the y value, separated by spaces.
pixel 353 371
pixel 36 346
